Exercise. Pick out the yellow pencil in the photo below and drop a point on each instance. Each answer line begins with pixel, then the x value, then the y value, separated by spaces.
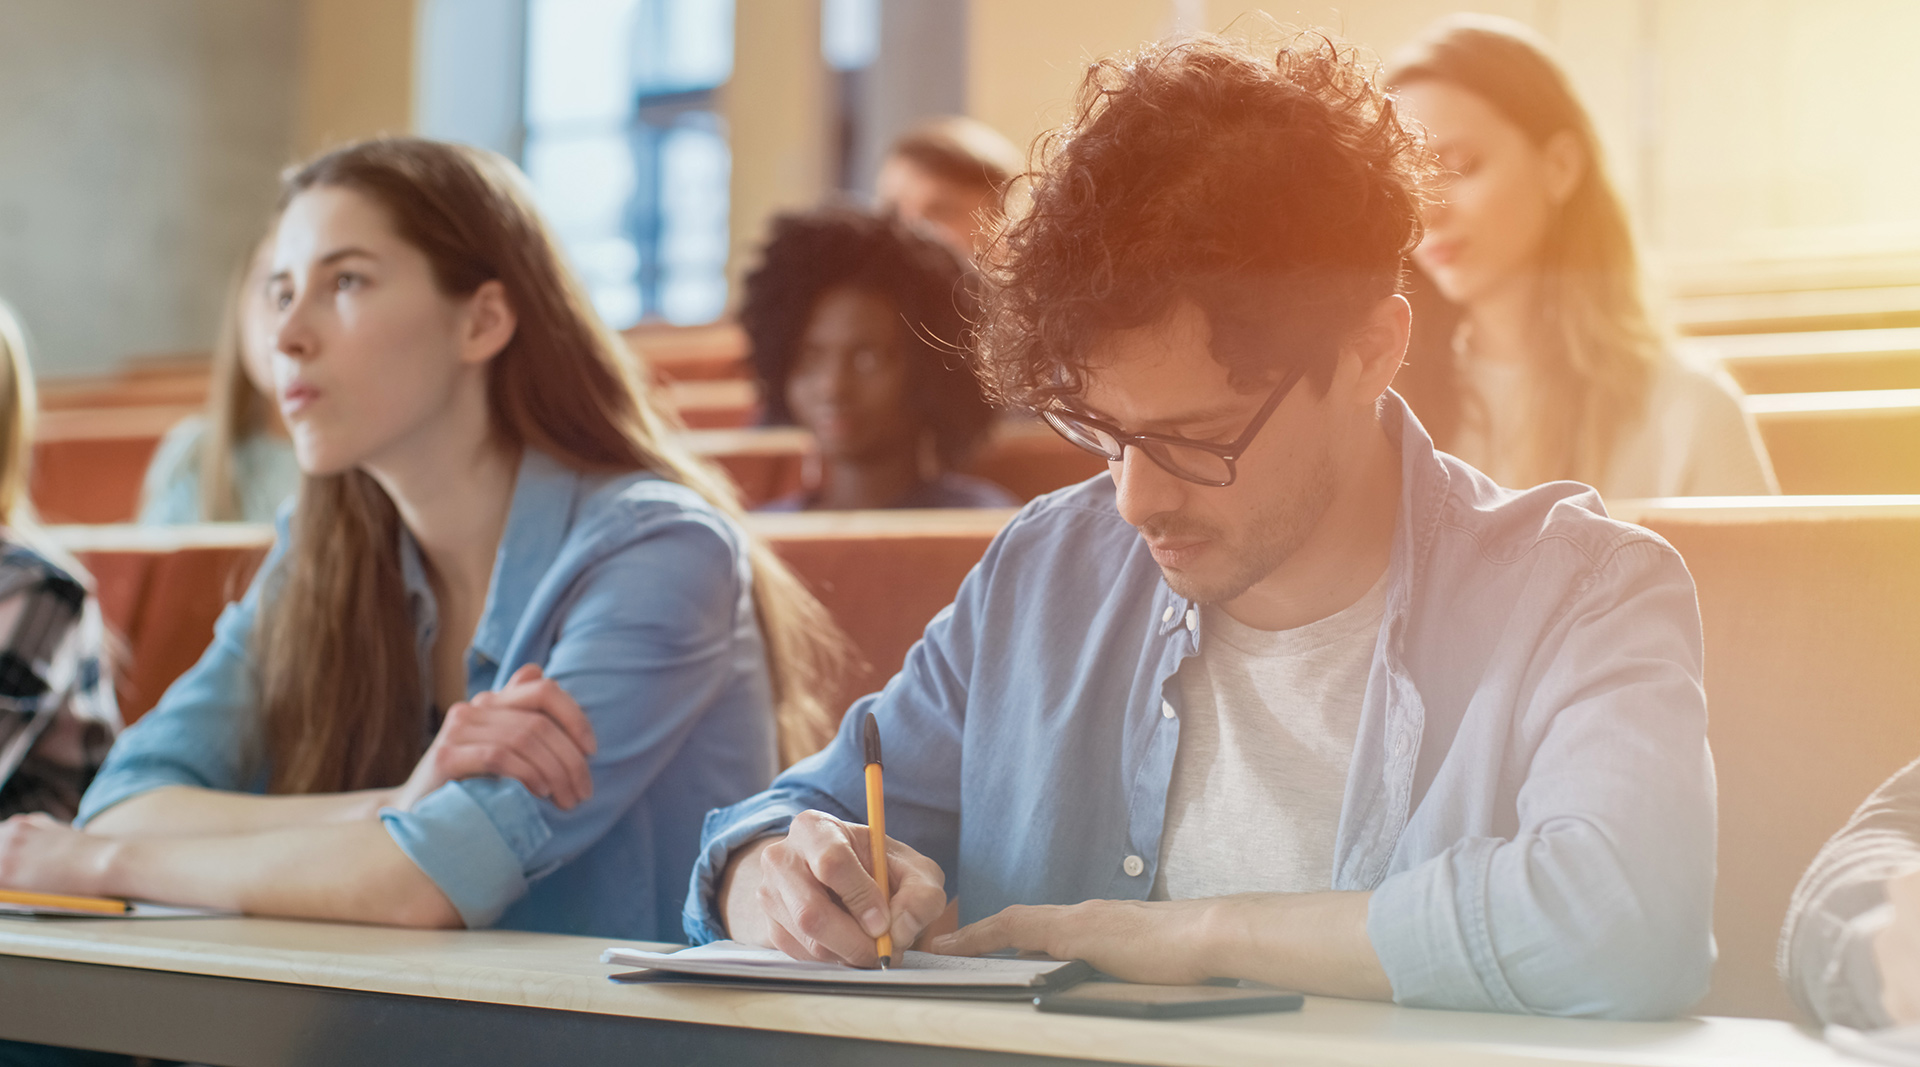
pixel 100 905
pixel 877 832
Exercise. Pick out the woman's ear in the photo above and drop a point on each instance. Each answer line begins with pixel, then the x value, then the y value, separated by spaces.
pixel 489 323
pixel 1566 163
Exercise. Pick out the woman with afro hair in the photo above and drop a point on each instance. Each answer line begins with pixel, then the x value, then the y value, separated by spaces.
pixel 860 332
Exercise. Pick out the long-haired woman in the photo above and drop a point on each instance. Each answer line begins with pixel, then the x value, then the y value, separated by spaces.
pixel 511 645
pixel 1555 369
pixel 233 463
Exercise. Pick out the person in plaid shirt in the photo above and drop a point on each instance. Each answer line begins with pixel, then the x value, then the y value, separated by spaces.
pixel 56 697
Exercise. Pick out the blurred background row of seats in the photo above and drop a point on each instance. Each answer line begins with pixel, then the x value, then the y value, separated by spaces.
pixel 1839 410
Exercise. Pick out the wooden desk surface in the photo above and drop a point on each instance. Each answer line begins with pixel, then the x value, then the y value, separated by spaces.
pixel 564 973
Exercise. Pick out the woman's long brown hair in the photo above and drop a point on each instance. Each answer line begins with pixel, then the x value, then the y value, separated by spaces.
pixel 1601 345
pixel 340 677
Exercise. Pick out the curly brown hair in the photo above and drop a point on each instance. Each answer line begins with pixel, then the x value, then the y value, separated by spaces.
pixel 1282 195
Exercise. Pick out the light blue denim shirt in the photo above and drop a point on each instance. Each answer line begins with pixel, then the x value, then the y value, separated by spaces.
pixel 1531 799
pixel 635 595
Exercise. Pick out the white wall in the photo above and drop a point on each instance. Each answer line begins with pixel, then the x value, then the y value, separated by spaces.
pixel 139 143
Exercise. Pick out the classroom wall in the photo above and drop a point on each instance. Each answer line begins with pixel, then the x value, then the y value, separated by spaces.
pixel 142 151
pixel 1024 59
pixel 778 111
pixel 357 60
pixel 921 70
pixel 138 147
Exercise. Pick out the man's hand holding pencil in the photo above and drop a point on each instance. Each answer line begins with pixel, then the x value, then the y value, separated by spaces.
pixel 813 893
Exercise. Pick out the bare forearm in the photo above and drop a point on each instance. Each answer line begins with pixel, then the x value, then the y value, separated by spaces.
pixel 351 872
pixel 1309 942
pixel 183 811
pixel 739 907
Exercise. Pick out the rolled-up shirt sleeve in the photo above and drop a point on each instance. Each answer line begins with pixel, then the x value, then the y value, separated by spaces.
pixel 921 713
pixel 1826 946
pixel 649 638
pixel 1600 903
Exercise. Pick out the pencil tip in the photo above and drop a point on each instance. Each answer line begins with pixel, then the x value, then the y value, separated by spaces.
pixel 885 962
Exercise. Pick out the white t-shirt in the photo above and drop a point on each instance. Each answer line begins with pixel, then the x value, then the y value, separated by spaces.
pixel 1267 729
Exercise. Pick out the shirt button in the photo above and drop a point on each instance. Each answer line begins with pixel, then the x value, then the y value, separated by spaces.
pixel 1193 618
pixel 1167 615
pixel 1166 710
pixel 1133 865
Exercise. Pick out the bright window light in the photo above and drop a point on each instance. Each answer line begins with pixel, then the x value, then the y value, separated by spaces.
pixel 628 153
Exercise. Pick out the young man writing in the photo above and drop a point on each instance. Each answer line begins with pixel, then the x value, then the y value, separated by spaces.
pixel 1290 697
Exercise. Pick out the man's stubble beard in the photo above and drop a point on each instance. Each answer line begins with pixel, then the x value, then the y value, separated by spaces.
pixel 1274 535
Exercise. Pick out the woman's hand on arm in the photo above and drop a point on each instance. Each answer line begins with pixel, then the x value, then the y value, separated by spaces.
pixel 1309 942
pixel 529 730
pixel 352 872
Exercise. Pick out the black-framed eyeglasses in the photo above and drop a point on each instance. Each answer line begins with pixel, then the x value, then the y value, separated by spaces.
pixel 1194 461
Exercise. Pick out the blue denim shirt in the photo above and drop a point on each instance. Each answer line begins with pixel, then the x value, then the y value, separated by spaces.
pixel 630 591
pixel 1531 799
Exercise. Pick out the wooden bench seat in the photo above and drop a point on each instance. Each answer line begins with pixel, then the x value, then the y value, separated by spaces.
pixel 1861 308
pixel 1811 609
pixel 720 403
pixel 176 378
pixel 88 464
pixel 1865 441
pixel 162 588
pixel 1815 362
pixel 691 353
pixel 1025 458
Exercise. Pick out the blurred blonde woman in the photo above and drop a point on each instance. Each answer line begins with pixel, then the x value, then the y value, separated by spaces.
pixel 57 709
pixel 1554 370
pixel 234 463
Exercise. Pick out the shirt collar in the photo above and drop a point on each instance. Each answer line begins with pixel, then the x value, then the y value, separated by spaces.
pixel 1424 485
pixel 544 492
pixel 1173 609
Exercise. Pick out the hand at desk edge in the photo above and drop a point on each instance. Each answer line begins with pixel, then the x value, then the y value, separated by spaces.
pixel 1307 942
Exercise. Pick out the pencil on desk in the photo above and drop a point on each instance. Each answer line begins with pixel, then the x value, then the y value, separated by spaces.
pixel 877 832
pixel 101 905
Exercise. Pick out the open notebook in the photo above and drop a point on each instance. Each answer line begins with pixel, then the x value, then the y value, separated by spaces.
pixel 918 974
